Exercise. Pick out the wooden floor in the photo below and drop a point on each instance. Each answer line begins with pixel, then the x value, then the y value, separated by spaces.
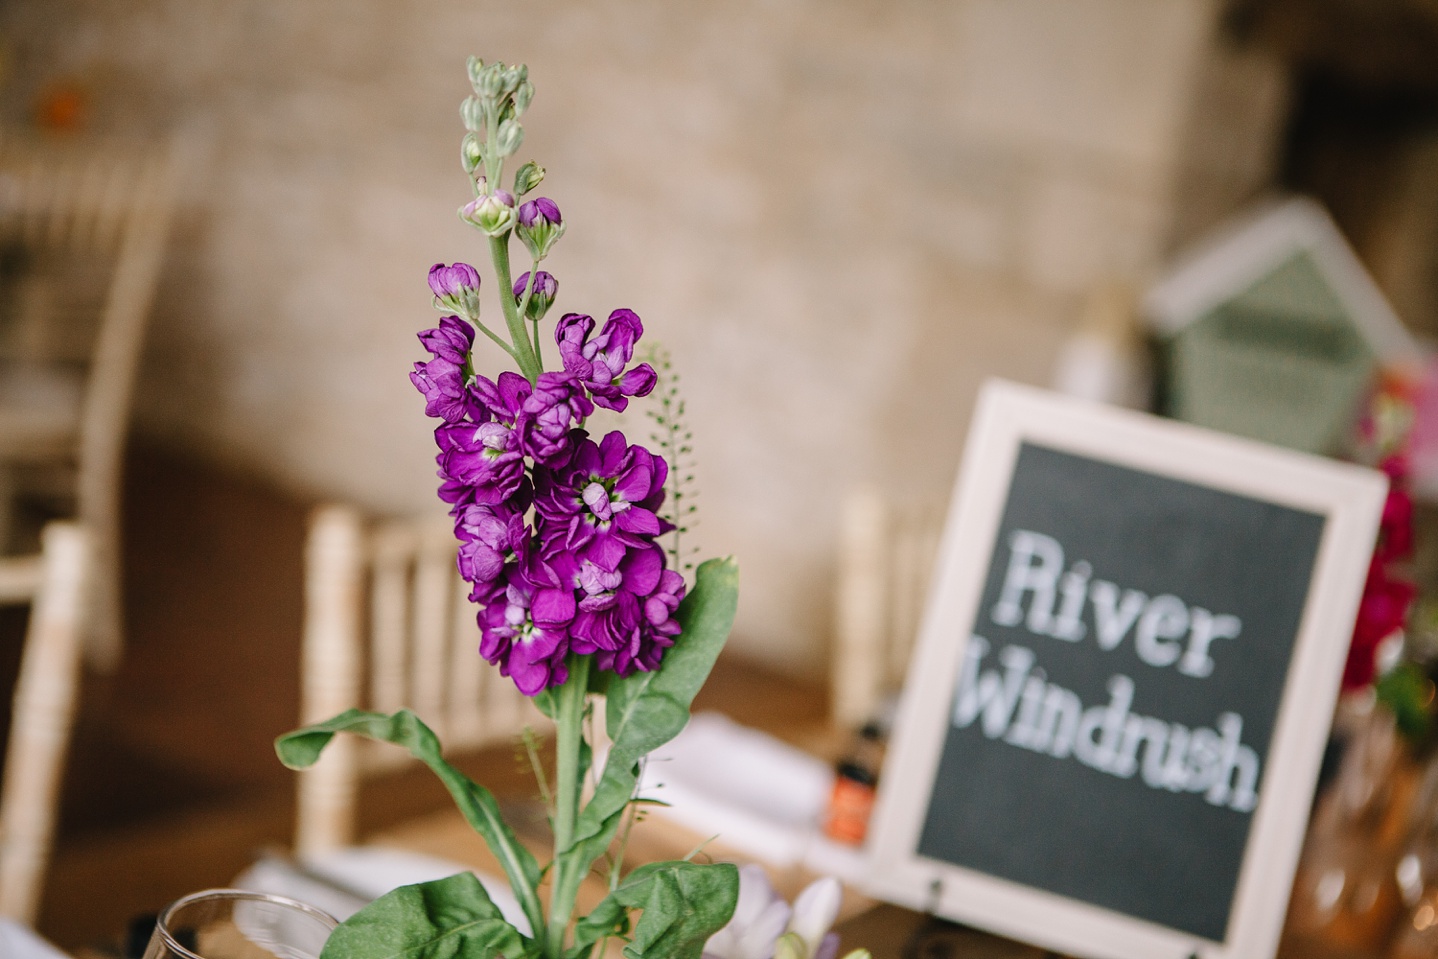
pixel 172 785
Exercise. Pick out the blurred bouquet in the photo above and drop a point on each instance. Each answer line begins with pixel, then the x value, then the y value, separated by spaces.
pixel 560 538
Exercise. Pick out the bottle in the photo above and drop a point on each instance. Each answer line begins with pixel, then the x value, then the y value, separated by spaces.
pixel 856 779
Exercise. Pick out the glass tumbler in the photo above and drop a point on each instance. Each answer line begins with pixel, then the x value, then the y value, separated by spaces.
pixel 236 924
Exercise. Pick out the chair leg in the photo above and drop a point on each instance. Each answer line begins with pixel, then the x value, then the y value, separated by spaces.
pixel 44 706
pixel 104 640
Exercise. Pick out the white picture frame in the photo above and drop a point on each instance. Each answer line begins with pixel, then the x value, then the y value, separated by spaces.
pixel 1350 498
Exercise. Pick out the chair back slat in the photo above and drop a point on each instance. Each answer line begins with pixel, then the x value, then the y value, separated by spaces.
pixel 330 668
pixel 466 669
pixel 886 562
pixel 409 614
pixel 433 588
pixel 393 554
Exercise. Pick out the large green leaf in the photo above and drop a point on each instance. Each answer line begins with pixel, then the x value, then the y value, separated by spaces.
pixel 684 904
pixel 302 748
pixel 647 709
pixel 449 918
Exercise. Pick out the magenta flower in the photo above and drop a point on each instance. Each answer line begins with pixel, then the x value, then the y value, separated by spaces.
pixel 540 226
pixel 614 621
pixel 456 288
pixel 487 541
pixel 599 361
pixel 549 418
pixel 604 502
pixel 526 634
pixel 541 297
pixel 484 456
pixel 441 380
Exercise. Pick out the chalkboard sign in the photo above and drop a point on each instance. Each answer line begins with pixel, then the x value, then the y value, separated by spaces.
pixel 1111 730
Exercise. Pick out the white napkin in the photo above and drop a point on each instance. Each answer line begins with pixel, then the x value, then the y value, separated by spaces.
pixel 359 874
pixel 761 796
pixel 18 942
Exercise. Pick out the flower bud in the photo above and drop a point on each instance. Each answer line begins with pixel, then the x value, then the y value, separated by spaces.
pixel 522 97
pixel 540 298
pixel 791 946
pixel 455 288
pixel 508 138
pixel 493 212
pixel 491 82
pixel 527 177
pixel 470 153
pixel 540 226
pixel 472 112
pixel 513 77
pixel 476 70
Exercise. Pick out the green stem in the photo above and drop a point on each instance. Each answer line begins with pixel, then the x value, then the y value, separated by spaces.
pixel 523 350
pixel 524 308
pixel 495 337
pixel 568 741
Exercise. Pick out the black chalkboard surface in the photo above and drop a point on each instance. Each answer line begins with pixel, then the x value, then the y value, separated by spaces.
pixel 1116 705
pixel 1110 732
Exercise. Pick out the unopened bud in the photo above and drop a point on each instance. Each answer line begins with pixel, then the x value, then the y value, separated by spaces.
pixel 508 138
pixel 540 226
pixel 455 288
pixel 540 298
pixel 470 153
pixel 522 97
pixel 491 82
pixel 527 177
pixel 493 213
pixel 472 112
pixel 476 70
pixel 513 77
pixel 791 946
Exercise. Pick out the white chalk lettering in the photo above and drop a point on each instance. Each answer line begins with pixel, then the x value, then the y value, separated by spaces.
pixel 1015 703
pixel 1166 630
pixel 1034 564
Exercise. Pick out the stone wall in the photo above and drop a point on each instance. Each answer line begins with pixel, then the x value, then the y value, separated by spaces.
pixel 840 217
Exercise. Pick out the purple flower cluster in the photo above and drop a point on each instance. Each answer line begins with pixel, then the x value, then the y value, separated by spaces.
pixel 558 534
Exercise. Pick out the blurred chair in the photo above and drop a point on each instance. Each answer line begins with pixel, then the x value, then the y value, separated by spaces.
pixel 886 560
pixel 82 235
pixel 386 602
pixel 53 583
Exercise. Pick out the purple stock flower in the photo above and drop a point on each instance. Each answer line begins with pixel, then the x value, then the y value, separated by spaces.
pixel 442 379
pixel 540 298
pixel 484 456
pixel 541 211
pixel 603 503
pixel 599 361
pixel 493 212
pixel 540 225
pixel 526 634
pixel 456 287
pixel 479 458
pixel 624 616
pixel 487 541
pixel 549 417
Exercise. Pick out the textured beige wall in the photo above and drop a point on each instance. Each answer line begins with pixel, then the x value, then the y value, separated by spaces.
pixel 839 216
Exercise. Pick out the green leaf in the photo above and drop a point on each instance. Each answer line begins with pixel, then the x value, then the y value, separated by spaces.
pixel 646 710
pixel 449 918
pixel 302 748
pixel 684 904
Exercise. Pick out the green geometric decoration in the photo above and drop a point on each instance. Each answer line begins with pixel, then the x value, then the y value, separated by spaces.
pixel 1281 361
